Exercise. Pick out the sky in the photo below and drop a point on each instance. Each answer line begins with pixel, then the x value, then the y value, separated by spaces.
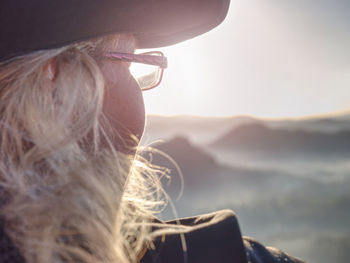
pixel 269 58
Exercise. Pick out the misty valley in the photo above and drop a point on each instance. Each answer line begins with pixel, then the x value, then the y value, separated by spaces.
pixel 288 181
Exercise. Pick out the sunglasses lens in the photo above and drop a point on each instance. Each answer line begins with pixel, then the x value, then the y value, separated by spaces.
pixel 147 76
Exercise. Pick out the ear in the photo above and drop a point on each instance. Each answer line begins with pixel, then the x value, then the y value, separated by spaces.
pixel 51 70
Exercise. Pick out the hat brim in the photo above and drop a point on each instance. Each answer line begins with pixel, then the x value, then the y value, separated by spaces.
pixel 27 26
pixel 176 21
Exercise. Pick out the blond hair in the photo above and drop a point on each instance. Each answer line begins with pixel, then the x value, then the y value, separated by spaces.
pixel 65 196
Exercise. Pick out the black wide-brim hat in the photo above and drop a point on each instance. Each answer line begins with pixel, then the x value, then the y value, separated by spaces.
pixel 30 25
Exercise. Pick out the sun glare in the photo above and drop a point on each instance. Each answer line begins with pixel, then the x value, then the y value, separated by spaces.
pixel 138 70
pixel 262 61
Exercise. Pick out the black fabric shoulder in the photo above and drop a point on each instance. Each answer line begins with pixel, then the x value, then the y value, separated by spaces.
pixel 257 253
pixel 210 238
pixel 213 238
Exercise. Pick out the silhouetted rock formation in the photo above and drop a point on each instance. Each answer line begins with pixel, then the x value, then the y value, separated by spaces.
pixel 195 163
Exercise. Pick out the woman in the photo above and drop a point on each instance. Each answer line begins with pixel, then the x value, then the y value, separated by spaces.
pixel 73 188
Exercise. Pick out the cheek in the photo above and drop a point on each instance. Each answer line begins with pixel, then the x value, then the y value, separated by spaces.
pixel 123 106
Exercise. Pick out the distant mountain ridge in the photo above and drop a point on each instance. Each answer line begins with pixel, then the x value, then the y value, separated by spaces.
pixel 202 171
pixel 203 130
pixel 259 137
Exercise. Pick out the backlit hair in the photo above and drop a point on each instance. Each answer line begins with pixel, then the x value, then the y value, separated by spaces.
pixel 65 195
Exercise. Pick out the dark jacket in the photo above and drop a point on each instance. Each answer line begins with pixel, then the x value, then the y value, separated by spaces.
pixel 213 238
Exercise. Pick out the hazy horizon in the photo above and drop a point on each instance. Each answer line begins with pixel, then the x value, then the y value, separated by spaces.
pixel 304 117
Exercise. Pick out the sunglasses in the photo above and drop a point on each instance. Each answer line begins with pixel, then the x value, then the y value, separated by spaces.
pixel 147 68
